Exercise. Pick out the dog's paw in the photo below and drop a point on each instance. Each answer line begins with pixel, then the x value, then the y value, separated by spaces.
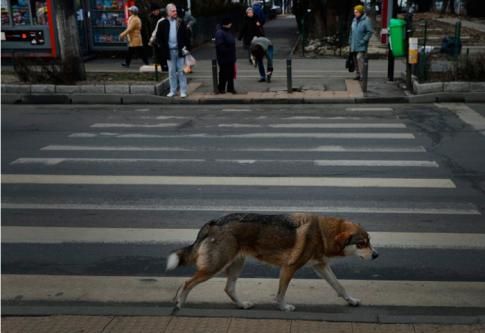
pixel 246 305
pixel 353 301
pixel 287 307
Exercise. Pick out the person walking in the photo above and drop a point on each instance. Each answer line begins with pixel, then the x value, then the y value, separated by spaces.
pixel 133 34
pixel 172 38
pixel 262 47
pixel 251 28
pixel 226 56
pixel 360 34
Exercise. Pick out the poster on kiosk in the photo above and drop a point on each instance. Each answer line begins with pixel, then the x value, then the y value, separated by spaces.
pixel 28 28
pixel 109 18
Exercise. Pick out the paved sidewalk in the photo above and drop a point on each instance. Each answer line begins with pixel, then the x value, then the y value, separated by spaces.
pixel 176 324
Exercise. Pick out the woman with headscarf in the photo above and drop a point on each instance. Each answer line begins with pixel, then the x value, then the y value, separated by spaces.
pixel 360 34
pixel 133 34
pixel 226 56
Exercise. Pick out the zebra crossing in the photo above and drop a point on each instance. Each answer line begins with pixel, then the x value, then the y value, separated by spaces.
pixel 96 208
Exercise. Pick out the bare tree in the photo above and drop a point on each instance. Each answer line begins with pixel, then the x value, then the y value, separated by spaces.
pixel 71 61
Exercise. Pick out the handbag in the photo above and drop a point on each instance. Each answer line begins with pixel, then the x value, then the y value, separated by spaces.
pixel 350 64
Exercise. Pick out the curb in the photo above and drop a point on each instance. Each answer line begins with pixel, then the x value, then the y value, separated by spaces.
pixel 20 98
pixel 377 315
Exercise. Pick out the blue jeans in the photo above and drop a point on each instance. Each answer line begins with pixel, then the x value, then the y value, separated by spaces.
pixel 176 73
pixel 269 56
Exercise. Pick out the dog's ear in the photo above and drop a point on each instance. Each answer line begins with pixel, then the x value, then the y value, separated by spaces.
pixel 343 239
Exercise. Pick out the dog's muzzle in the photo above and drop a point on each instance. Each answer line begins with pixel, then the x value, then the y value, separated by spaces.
pixel 375 254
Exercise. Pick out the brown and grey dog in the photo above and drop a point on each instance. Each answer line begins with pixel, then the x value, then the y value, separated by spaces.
pixel 287 241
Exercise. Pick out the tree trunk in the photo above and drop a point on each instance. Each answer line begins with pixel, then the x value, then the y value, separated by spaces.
pixel 72 64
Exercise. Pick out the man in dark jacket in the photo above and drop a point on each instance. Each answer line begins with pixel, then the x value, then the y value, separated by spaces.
pixel 172 38
pixel 155 16
pixel 226 56
pixel 251 28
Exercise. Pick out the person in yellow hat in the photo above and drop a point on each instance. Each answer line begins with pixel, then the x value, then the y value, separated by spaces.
pixel 360 34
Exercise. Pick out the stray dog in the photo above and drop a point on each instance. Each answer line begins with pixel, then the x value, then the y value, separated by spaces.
pixel 287 241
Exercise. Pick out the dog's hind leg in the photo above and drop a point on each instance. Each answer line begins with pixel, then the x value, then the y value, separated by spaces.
pixel 232 272
pixel 187 286
pixel 286 274
pixel 324 271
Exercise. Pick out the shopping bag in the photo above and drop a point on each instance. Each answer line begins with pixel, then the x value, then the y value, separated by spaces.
pixel 350 64
pixel 190 60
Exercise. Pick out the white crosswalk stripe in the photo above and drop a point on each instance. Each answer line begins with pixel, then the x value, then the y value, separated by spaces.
pixel 372 208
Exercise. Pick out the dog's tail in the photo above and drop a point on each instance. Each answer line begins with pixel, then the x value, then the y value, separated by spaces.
pixel 187 255
pixel 180 257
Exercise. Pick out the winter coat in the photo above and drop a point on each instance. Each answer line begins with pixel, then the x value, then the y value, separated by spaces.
pixel 265 43
pixel 250 29
pixel 360 34
pixel 133 32
pixel 225 46
pixel 163 32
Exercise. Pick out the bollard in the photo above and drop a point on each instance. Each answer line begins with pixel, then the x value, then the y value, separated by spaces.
pixel 214 76
pixel 289 82
pixel 156 73
pixel 365 75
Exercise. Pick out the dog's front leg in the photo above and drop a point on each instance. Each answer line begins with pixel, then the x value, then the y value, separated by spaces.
pixel 324 271
pixel 286 274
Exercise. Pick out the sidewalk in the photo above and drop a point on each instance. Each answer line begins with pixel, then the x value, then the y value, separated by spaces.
pixel 176 324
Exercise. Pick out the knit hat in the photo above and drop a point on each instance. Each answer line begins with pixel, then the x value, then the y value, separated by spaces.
pixel 249 9
pixel 226 20
pixel 133 9
pixel 154 6
pixel 360 9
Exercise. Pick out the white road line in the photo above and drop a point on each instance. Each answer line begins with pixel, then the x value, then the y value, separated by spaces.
pixel 340 125
pixel 343 163
pixel 468 209
pixel 364 109
pixel 389 149
pixel 379 136
pixel 111 148
pixel 467 115
pixel 56 235
pixel 235 110
pixel 229 181
pixel 49 161
pixel 171 117
pixel 328 125
pixel 161 290
pixel 124 125
pixel 377 163
pixel 59 160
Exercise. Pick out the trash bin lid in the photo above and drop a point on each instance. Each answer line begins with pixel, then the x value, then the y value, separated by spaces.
pixel 397 23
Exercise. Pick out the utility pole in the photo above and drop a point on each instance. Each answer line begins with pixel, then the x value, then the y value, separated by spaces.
pixel 70 52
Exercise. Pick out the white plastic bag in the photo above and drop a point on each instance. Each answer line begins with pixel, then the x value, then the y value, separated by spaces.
pixel 190 60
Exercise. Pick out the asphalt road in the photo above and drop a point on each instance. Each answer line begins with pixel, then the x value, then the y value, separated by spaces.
pixel 413 175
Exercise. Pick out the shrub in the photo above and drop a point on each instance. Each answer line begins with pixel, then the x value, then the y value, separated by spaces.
pixel 469 68
pixel 37 70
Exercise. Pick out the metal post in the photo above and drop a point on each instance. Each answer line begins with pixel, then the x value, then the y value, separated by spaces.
pixel 408 34
pixel 214 76
pixel 289 82
pixel 391 13
pixel 156 73
pixel 457 44
pixel 390 64
pixel 365 74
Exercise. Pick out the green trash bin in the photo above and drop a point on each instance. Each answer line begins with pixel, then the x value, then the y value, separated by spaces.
pixel 397 33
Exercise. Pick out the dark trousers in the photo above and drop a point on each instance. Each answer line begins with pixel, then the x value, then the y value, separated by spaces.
pixel 140 53
pixel 226 76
